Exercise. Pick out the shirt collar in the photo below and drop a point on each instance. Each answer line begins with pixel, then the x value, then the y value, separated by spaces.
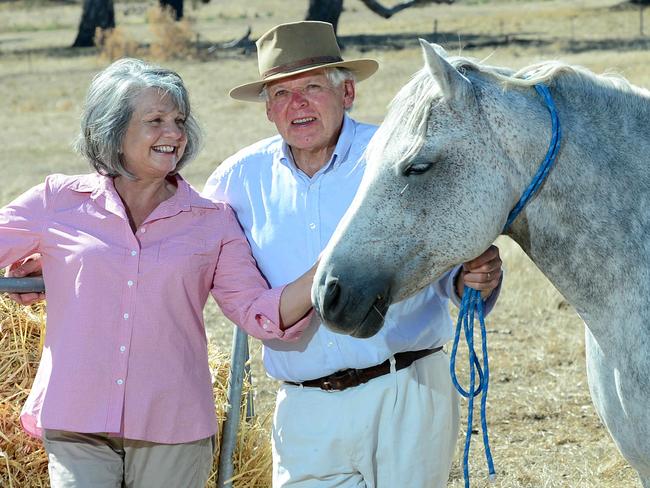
pixel 101 187
pixel 86 183
pixel 344 143
pixel 101 190
pixel 341 151
pixel 187 197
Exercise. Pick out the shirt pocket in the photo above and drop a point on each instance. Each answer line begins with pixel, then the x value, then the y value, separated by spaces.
pixel 184 252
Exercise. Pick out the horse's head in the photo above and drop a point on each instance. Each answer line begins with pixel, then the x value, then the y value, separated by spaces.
pixel 434 194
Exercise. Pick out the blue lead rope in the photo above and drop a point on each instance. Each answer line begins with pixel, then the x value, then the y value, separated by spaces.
pixel 472 304
pixel 551 155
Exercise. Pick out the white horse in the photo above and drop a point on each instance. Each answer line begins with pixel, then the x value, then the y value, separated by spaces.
pixel 459 145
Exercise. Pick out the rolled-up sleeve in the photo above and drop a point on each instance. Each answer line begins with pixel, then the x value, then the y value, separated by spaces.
pixel 22 225
pixel 447 287
pixel 242 292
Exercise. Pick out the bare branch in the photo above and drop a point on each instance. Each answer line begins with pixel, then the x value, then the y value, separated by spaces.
pixel 387 13
pixel 242 41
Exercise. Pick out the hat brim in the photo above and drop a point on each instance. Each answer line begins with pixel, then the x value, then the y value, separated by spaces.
pixel 250 92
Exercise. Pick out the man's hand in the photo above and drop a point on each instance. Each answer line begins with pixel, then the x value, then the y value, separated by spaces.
pixel 30 266
pixel 482 273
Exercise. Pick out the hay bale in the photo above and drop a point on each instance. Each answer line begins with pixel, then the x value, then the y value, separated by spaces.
pixel 22 460
pixel 23 463
pixel 252 458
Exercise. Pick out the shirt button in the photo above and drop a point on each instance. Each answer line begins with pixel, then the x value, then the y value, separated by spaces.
pixel 130 282
pixel 312 226
pixel 330 344
pixel 143 230
pixel 120 381
pixel 134 253
pixel 126 316
pixel 122 348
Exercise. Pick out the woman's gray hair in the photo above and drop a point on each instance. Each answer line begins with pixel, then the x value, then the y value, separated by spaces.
pixel 109 107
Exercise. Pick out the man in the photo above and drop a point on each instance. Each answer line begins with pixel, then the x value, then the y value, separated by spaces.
pixel 289 192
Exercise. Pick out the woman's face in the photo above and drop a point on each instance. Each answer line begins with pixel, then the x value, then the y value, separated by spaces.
pixel 155 138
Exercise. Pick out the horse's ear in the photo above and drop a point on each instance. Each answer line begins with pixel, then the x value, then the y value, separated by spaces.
pixel 452 83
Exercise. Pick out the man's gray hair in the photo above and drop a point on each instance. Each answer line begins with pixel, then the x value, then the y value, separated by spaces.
pixel 109 107
pixel 336 77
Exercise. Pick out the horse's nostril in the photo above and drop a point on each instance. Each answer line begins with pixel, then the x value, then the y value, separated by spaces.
pixel 332 293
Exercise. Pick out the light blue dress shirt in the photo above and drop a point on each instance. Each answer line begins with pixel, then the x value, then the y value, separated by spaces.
pixel 288 219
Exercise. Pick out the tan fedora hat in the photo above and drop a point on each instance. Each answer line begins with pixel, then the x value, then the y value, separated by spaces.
pixel 298 47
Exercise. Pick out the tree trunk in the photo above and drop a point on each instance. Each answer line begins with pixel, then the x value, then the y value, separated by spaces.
pixel 387 13
pixel 325 11
pixel 330 10
pixel 95 13
pixel 176 7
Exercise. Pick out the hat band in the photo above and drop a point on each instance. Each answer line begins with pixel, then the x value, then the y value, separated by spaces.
pixel 303 63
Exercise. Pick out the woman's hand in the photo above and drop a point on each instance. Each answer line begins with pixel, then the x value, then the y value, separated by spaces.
pixel 30 266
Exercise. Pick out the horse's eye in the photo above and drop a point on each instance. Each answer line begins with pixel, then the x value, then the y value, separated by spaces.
pixel 417 168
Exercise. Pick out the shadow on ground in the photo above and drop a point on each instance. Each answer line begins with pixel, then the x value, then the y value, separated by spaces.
pixel 465 41
pixel 452 41
pixel 458 41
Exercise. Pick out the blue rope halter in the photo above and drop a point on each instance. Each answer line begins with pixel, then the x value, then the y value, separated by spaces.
pixel 472 303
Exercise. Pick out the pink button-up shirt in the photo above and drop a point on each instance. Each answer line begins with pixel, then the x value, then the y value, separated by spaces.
pixel 125 348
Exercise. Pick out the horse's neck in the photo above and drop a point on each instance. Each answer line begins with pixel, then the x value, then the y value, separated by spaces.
pixel 587 227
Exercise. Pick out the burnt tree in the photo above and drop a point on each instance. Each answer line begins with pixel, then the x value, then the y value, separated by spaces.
pixel 94 14
pixel 325 11
pixel 101 14
pixel 330 10
pixel 176 7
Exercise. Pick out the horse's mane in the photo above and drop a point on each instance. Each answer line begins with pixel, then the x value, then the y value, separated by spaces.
pixel 416 98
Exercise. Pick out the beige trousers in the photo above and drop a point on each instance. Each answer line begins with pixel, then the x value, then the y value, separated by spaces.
pixel 99 461
pixel 396 431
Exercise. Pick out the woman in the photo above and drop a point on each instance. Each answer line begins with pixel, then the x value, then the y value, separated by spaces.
pixel 123 393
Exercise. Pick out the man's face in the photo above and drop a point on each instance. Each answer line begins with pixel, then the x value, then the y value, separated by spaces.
pixel 308 110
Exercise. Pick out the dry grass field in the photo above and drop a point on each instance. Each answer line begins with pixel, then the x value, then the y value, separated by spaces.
pixel 544 430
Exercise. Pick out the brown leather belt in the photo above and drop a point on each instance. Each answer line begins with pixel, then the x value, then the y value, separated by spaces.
pixel 347 378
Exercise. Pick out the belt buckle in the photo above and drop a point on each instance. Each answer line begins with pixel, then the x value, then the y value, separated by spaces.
pixel 339 377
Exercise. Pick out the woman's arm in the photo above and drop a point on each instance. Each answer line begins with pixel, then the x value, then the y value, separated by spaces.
pixel 21 225
pixel 295 300
pixel 244 296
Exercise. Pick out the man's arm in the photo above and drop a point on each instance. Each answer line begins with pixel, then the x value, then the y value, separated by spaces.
pixel 482 273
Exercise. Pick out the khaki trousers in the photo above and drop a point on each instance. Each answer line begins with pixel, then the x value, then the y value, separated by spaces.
pixel 98 461
pixel 396 431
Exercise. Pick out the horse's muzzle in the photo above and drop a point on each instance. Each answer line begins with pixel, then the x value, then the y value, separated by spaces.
pixel 357 310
